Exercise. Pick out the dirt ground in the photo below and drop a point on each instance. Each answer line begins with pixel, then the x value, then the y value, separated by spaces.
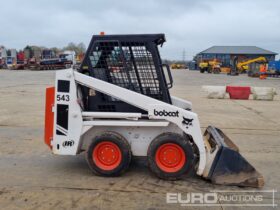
pixel 33 178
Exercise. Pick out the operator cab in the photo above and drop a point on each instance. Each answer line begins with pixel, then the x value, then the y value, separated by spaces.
pixel 129 61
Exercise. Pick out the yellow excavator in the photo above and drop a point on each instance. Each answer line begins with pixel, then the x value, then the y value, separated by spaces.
pixel 243 65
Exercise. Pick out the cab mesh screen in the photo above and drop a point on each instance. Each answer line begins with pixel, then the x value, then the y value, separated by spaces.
pixel 128 64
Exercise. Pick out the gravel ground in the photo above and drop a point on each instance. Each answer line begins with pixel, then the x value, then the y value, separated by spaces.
pixel 32 178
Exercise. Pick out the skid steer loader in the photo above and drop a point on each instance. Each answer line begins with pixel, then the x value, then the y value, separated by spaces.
pixel 118 105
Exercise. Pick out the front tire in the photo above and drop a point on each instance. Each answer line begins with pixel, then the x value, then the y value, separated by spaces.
pixel 109 154
pixel 170 156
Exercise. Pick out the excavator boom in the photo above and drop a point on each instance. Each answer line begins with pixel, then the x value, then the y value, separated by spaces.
pixel 242 65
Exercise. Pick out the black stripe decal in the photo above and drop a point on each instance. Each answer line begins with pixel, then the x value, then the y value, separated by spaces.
pixel 62 117
pixel 59 133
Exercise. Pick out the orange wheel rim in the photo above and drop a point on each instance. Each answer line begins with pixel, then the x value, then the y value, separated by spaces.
pixel 107 155
pixel 170 157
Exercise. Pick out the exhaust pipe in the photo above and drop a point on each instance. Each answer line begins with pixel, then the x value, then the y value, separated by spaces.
pixel 225 165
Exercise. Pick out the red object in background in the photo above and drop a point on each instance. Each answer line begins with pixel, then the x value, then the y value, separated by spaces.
pixel 20 56
pixel 238 92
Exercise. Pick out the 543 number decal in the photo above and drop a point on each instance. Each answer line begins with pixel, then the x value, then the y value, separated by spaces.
pixel 62 97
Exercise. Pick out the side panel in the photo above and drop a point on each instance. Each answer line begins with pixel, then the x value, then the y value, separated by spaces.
pixel 49 115
pixel 67 115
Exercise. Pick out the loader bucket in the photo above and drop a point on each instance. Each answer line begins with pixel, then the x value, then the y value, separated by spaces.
pixel 225 165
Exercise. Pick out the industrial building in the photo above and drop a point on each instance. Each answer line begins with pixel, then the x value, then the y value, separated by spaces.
pixel 226 53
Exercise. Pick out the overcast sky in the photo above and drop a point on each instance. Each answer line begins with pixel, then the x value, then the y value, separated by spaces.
pixel 191 25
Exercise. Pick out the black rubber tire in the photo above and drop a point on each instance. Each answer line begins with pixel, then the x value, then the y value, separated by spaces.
pixel 181 141
pixel 124 147
pixel 201 70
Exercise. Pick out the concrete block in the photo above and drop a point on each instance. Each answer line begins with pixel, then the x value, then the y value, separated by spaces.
pixel 215 92
pixel 263 93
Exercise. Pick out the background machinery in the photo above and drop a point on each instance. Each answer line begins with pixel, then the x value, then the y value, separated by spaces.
pixel 210 66
pixel 118 106
pixel 49 60
pixel 69 57
pixel 251 66
pixel 18 63
pixel 178 66
pixel 11 57
pixel 273 69
pixel 32 55
pixel 243 66
pixel 46 59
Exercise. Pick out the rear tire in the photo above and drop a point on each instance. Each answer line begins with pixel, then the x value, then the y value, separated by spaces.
pixel 109 154
pixel 170 156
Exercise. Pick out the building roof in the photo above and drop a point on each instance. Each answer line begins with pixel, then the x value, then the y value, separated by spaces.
pixel 237 50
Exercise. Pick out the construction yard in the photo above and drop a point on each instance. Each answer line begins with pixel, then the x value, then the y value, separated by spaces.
pixel 33 178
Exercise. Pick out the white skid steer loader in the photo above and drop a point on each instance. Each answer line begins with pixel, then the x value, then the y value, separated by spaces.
pixel 117 105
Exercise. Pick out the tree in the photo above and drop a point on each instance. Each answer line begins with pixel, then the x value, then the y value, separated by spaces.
pixel 55 50
pixel 78 48
pixel 81 47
